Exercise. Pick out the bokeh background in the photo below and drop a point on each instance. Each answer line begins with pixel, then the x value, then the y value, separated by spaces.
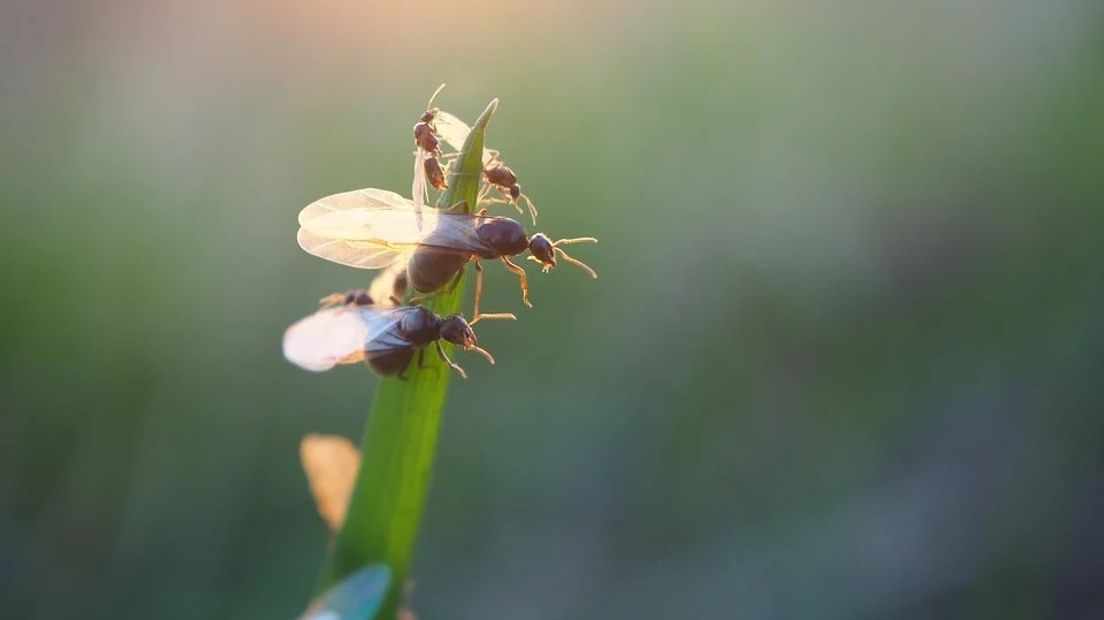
pixel 844 359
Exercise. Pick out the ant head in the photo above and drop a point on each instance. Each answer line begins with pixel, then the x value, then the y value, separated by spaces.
pixel 429 115
pixel 515 191
pixel 358 298
pixel 504 235
pixel 456 330
pixel 543 251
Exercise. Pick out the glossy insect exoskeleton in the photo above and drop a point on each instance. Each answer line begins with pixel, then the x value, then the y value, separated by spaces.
pixel 427 166
pixel 497 175
pixel 435 175
pixel 385 337
pixel 374 229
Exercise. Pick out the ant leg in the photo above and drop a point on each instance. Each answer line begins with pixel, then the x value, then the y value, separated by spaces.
pixel 421 359
pixel 332 300
pixel 486 189
pixel 517 206
pixel 523 280
pixel 478 288
pixel 460 207
pixel 446 360
pixel 456 280
pixel 418 300
pixel 402 373
pixel 476 316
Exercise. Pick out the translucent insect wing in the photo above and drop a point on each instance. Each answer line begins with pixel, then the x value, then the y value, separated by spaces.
pixel 330 463
pixel 343 335
pixel 367 228
pixel 420 187
pixel 359 254
pixel 368 215
pixel 454 132
pixel 358 597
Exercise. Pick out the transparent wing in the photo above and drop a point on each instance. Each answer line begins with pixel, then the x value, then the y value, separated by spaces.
pixel 331 463
pixel 368 215
pixel 344 335
pixel 454 131
pixel 419 189
pixel 365 228
pixel 359 254
pixel 358 597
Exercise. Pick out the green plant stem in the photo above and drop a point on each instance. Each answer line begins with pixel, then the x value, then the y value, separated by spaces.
pixel 400 437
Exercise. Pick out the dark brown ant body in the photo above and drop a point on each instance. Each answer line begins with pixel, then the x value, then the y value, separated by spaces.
pixel 429 142
pixel 440 257
pixel 394 334
pixel 425 134
pixel 502 178
pixel 435 175
pixel 417 328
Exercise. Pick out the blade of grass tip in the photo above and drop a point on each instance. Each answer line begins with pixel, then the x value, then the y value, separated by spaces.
pixel 400 438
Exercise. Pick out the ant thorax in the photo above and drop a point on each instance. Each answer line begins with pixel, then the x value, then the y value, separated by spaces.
pixel 421 327
pixel 505 235
pixel 500 176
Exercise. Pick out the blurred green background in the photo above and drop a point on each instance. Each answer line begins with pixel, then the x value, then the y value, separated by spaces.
pixel 843 361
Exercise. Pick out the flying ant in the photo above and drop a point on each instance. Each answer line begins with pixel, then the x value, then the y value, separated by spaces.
pixel 497 175
pixel 427 167
pixel 385 337
pixel 375 229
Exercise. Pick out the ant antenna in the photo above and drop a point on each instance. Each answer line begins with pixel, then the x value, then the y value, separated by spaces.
pixel 532 209
pixel 485 353
pixel 574 261
pixel 429 104
pixel 578 263
pixel 502 316
pixel 574 241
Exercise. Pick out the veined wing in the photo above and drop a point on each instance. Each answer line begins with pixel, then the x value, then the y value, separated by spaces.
pixel 359 254
pixel 374 229
pixel 365 228
pixel 368 215
pixel 454 132
pixel 344 335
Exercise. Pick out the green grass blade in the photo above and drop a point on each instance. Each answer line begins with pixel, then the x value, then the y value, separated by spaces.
pixel 401 435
